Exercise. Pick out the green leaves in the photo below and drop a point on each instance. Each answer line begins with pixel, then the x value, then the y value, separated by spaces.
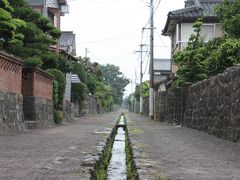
pixel 4 15
pixel 229 15
pixel 8 25
pixel 113 77
pixel 32 34
pixel 223 56
pixel 191 60
pixel 59 77
pixel 200 60
pixel 33 61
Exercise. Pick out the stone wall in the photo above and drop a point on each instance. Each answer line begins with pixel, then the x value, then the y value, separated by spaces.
pixel 160 101
pixel 11 112
pixel 173 106
pixel 90 105
pixel 213 105
pixel 11 108
pixel 37 98
pixel 77 109
pixel 68 109
pixel 146 106
pixel 38 112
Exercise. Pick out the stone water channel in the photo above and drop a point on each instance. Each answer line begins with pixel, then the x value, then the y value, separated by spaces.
pixel 117 169
pixel 116 161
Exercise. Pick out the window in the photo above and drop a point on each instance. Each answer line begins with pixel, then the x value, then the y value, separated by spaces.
pixel 207 31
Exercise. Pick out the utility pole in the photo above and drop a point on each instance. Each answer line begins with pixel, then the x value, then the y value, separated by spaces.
pixel 141 76
pixel 151 92
pixel 86 52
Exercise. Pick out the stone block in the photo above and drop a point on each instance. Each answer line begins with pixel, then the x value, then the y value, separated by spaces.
pixel 236 135
pixel 68 109
pixel 41 112
pixel 11 113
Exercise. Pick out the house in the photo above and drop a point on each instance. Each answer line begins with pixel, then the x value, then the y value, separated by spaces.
pixel 179 24
pixel 53 10
pixel 68 42
pixel 162 70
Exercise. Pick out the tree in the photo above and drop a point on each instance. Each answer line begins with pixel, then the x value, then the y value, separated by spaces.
pixel 39 35
pixel 191 60
pixel 223 53
pixel 113 77
pixel 229 14
pixel 9 26
pixel 200 60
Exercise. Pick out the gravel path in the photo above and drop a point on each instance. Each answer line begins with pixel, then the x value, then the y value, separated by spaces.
pixel 163 151
pixel 65 152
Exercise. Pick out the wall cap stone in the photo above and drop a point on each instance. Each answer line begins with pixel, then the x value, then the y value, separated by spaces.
pixel 38 70
pixel 11 58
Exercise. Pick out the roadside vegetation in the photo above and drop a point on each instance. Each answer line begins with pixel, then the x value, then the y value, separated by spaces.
pixel 27 34
pixel 201 59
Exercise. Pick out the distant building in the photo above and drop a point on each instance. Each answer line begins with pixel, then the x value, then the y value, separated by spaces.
pixel 179 24
pixel 162 70
pixel 68 48
pixel 68 42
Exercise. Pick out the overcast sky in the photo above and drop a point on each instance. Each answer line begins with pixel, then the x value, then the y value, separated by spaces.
pixel 111 30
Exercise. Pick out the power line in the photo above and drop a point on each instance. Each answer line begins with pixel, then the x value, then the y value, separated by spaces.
pixel 155 8
pixel 107 39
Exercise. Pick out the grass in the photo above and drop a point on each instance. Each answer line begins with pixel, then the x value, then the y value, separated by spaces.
pixel 136 131
pixel 131 169
pixel 101 166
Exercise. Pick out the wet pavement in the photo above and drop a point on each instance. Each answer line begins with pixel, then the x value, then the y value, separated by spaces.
pixel 65 152
pixel 163 151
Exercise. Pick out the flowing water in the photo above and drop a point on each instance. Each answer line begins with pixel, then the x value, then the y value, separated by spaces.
pixel 117 169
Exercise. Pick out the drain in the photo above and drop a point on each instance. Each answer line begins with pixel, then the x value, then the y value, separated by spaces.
pixel 117 169
pixel 116 161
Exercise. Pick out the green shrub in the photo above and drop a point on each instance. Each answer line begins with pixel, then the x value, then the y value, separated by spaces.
pixel 64 64
pixel 55 93
pixel 80 71
pixel 50 60
pixel 33 61
pixel 61 80
pixel 78 91
pixel 58 116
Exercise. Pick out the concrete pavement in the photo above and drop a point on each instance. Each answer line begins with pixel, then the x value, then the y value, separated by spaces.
pixel 65 152
pixel 163 151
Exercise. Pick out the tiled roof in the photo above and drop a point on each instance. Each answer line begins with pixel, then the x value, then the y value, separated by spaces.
pixel 192 11
pixel 68 40
pixel 206 9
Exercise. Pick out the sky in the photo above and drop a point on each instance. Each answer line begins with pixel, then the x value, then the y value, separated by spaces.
pixel 111 30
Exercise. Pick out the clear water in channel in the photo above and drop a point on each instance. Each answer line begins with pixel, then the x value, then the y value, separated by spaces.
pixel 117 169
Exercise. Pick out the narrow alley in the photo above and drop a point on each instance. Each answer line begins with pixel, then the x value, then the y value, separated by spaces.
pixel 160 151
